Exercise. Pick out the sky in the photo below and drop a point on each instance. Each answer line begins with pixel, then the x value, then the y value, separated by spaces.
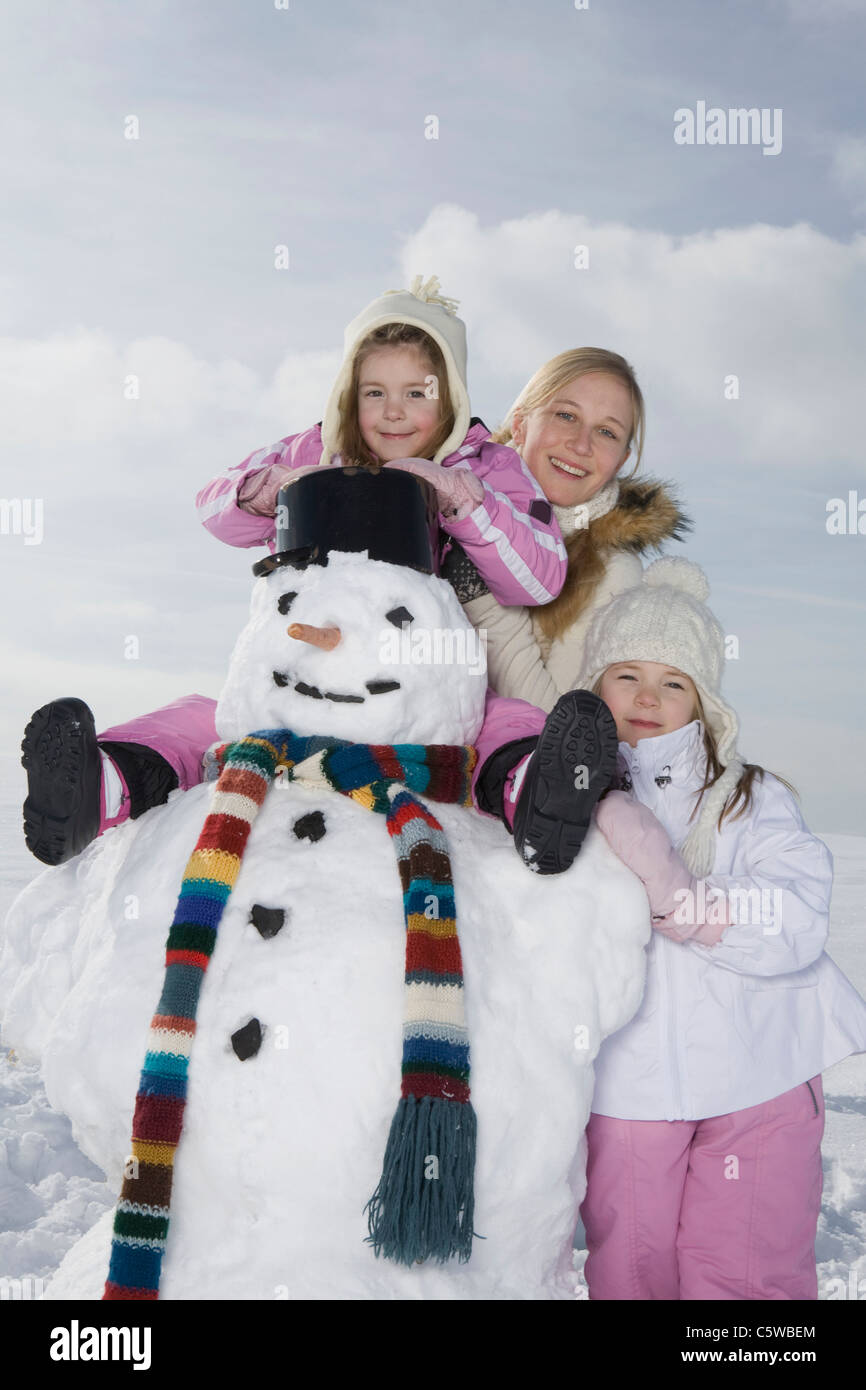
pixel 155 157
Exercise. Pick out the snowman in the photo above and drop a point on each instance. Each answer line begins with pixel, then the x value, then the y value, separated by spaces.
pixel 371 924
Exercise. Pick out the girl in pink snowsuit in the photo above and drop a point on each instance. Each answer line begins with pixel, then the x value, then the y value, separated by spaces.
pixel 400 401
pixel 704 1159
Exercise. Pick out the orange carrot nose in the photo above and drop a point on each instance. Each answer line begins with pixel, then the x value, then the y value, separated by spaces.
pixel 325 637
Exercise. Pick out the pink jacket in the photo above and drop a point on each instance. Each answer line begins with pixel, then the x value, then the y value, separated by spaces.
pixel 512 535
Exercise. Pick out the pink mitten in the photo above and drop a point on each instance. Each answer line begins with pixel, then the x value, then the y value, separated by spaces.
pixel 258 491
pixel 457 489
pixel 641 841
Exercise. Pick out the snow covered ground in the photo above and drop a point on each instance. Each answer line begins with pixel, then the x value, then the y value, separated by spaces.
pixel 50 1193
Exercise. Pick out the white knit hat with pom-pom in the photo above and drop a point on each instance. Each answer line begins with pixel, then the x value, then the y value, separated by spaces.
pixel 664 619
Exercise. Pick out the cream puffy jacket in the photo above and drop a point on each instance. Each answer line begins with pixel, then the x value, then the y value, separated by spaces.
pixel 626 520
pixel 521 662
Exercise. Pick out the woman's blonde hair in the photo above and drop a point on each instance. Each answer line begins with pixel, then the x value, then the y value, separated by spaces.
pixel 392 335
pixel 743 792
pixel 556 373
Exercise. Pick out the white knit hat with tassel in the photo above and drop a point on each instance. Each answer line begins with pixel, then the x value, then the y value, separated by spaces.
pixel 422 306
pixel 664 619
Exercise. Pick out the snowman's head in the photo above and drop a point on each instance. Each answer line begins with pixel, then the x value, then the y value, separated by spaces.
pixel 357 649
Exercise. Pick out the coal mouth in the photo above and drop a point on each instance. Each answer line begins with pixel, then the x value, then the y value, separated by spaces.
pixel 314 693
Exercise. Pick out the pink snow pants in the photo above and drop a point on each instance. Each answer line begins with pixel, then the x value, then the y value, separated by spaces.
pixel 724 1208
pixel 504 722
pixel 183 730
pixel 180 732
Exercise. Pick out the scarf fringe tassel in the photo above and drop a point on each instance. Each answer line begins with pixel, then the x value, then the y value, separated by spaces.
pixel 423 1208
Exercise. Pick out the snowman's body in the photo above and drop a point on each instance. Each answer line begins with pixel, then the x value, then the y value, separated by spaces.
pixel 281 1151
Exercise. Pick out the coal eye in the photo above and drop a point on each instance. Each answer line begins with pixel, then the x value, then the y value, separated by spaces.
pixel 286 601
pixel 399 616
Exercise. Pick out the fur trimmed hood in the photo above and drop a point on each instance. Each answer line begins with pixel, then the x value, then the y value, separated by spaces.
pixel 646 515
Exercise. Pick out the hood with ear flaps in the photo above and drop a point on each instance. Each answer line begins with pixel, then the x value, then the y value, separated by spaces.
pixel 423 307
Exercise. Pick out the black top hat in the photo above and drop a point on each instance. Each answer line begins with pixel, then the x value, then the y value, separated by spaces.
pixel 391 514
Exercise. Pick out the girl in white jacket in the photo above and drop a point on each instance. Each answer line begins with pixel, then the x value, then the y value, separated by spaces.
pixel 704 1163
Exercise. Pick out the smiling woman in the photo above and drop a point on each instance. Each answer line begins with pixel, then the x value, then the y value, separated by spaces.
pixel 576 423
pixel 578 441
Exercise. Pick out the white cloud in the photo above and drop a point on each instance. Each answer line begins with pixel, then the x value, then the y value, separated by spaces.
pixel 83 387
pixel 779 307
pixel 302 384
pixel 86 417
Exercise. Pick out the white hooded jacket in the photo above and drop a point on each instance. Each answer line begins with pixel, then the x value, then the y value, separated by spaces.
pixel 724 1027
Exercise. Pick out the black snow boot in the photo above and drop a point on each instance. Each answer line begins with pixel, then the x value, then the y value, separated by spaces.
pixel 62 812
pixel 571 768
pixel 61 755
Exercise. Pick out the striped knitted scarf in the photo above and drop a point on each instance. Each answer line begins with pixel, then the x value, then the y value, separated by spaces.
pixel 423 1205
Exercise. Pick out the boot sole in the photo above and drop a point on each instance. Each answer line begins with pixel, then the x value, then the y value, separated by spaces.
pixel 580 732
pixel 62 759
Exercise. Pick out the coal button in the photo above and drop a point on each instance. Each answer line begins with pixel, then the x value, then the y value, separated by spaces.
pixel 247 1040
pixel 267 920
pixel 310 827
